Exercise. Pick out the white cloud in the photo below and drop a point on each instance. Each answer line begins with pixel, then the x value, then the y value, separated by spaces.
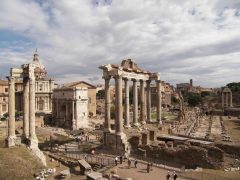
pixel 196 39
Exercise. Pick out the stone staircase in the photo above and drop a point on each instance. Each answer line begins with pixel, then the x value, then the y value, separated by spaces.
pixel 96 167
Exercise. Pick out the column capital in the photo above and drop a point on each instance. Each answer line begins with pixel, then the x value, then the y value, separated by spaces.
pixel 117 76
pixel 158 81
pixel 11 78
pixel 107 77
pixel 126 79
pixel 135 80
pixel 149 81
pixel 142 80
pixel 26 79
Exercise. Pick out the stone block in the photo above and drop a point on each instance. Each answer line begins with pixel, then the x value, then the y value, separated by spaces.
pixel 145 139
pixel 152 135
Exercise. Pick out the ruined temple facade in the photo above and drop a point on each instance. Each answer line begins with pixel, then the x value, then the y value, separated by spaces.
pixel 226 97
pixel 128 72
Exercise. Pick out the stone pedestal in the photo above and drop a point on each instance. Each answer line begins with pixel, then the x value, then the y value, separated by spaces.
pixel 11 141
pixel 117 142
pixel 152 135
pixel 33 143
pixel 145 139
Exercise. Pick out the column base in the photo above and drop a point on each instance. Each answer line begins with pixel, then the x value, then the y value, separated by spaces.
pixel 108 130
pixel 10 141
pixel 33 143
pixel 117 142
pixel 136 125
pixel 127 126
pixel 160 122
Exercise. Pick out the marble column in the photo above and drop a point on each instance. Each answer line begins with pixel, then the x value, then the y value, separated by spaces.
pixel 231 105
pixel 159 101
pixel 107 123
pixel 11 112
pixel 135 103
pixel 32 132
pixel 226 96
pixel 25 108
pixel 222 99
pixel 142 102
pixel 127 123
pixel 66 111
pixel 119 109
pixel 73 116
pixel 149 100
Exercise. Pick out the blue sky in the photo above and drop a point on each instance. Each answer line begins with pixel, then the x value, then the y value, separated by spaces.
pixel 196 39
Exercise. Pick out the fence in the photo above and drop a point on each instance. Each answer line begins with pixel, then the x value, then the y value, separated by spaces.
pixel 94 159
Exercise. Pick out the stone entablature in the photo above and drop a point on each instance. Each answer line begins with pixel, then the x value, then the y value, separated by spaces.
pixel 128 73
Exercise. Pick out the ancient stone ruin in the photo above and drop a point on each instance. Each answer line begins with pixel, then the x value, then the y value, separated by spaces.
pixel 226 97
pixel 128 71
pixel 28 73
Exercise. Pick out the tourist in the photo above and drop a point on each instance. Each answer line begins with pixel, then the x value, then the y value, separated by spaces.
pixel 85 157
pixel 116 161
pixel 168 175
pixel 174 175
pixel 129 163
pixel 65 148
pixel 135 163
pixel 121 159
pixel 151 165
pixel 148 167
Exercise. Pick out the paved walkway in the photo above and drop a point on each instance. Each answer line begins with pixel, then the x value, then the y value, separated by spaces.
pixel 140 173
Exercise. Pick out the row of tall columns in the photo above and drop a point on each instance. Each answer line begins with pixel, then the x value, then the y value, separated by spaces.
pixel 145 104
pixel 28 112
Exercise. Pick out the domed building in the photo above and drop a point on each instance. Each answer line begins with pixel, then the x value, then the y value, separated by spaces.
pixel 44 88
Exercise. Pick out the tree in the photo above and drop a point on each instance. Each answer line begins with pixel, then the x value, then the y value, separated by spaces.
pixel 193 99
pixel 234 86
pixel 205 93
pixel 174 100
pixel 101 94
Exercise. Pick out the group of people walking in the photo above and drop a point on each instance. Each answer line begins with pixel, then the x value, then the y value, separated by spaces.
pixel 121 159
pixel 173 175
